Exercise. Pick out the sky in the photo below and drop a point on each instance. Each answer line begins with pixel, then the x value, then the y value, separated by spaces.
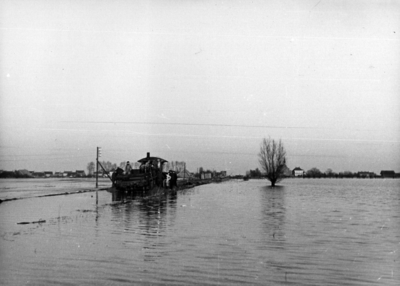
pixel 201 82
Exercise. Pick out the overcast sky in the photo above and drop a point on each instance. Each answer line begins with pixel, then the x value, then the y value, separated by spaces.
pixel 201 82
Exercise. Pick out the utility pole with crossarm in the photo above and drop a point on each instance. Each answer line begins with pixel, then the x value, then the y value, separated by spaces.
pixel 98 155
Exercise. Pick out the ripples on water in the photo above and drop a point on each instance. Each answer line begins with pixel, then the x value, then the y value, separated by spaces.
pixel 307 232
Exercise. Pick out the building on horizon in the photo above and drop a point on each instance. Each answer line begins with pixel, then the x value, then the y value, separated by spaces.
pixel 206 175
pixel 388 174
pixel 298 172
pixel 48 174
pixel 80 173
pixel 365 174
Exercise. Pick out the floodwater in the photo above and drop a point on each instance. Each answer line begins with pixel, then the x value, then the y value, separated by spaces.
pixel 25 188
pixel 306 232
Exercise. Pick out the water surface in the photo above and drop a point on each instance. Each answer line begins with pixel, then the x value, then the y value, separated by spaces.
pixel 27 188
pixel 306 232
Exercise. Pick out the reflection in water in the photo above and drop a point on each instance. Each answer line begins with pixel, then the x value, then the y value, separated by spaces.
pixel 147 217
pixel 148 212
pixel 273 223
pixel 273 212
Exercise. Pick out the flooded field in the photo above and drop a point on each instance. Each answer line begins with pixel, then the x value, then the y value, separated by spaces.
pixel 306 232
pixel 27 188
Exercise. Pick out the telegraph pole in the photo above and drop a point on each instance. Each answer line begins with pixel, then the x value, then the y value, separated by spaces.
pixel 98 154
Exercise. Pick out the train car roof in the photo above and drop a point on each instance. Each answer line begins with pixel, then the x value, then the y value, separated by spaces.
pixel 145 159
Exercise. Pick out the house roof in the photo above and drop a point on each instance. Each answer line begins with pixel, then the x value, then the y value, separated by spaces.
pixel 298 169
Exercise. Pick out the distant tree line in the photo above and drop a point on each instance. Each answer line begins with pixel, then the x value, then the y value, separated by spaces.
pixel 316 173
pixel 15 174
pixel 255 174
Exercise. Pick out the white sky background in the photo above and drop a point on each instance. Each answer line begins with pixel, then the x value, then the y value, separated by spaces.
pixel 201 82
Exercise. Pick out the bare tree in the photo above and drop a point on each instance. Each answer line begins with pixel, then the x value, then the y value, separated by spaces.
pixel 329 172
pixel 272 158
pixel 108 166
pixel 122 165
pixel 90 168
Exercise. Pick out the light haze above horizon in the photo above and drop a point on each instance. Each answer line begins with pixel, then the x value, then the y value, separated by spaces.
pixel 201 82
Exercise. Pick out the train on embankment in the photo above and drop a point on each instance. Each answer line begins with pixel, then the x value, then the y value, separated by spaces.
pixel 148 180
